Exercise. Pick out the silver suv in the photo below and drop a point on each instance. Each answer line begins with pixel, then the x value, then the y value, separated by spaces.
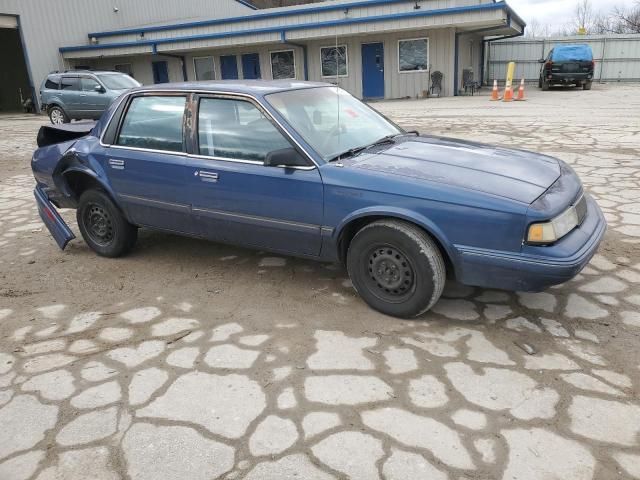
pixel 81 94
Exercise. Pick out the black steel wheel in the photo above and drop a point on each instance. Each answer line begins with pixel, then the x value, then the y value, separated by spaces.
pixel 391 274
pixel 396 267
pixel 103 226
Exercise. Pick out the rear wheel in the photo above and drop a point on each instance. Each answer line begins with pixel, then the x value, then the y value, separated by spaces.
pixel 57 116
pixel 586 86
pixel 545 85
pixel 396 268
pixel 103 226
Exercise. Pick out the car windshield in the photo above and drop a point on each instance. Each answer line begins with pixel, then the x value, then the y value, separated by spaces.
pixel 118 81
pixel 330 120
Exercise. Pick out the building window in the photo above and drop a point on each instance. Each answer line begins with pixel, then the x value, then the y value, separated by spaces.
pixel 124 68
pixel 413 55
pixel 334 61
pixel 283 65
pixel 204 68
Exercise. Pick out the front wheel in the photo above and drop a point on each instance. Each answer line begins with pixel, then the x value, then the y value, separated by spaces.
pixel 103 226
pixel 57 115
pixel 545 85
pixel 396 268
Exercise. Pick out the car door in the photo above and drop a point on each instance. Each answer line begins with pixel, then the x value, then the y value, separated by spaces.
pixel 234 196
pixel 94 99
pixel 146 162
pixel 70 91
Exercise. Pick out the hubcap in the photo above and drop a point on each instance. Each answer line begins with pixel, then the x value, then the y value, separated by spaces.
pixel 56 116
pixel 98 225
pixel 390 272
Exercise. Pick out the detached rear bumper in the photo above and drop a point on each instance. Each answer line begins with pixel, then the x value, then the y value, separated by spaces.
pixel 538 267
pixel 59 230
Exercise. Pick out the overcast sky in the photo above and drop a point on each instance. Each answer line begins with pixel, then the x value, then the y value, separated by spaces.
pixel 558 12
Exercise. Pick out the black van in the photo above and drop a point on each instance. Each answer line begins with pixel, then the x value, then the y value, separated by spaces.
pixel 566 65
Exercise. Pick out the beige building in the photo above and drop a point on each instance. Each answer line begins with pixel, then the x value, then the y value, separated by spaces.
pixel 372 48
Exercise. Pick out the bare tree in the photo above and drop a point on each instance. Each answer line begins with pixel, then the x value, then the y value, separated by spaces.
pixel 627 20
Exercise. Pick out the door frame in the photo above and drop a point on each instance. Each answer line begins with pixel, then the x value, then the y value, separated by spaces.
pixel 380 42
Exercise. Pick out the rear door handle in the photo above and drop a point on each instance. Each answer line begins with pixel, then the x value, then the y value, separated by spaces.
pixel 207 176
pixel 116 164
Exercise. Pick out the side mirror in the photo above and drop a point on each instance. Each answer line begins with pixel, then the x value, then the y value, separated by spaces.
pixel 286 157
pixel 99 89
pixel 541 60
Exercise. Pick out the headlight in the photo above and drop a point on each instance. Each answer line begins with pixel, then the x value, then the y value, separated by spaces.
pixel 549 232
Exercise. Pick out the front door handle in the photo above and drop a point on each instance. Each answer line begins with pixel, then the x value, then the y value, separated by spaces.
pixel 116 163
pixel 207 176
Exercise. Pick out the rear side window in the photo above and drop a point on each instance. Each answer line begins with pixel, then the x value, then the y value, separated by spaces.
pixel 70 83
pixel 580 53
pixel 237 130
pixel 52 83
pixel 153 122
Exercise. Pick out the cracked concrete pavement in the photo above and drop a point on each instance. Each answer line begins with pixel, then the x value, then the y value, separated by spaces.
pixel 189 359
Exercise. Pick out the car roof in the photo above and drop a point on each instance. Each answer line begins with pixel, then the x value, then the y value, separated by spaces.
pixel 251 87
pixel 86 72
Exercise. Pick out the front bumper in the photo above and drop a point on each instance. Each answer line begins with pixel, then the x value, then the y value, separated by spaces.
pixel 535 268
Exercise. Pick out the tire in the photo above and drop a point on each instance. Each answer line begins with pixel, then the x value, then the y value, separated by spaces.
pixel 545 85
pixel 539 82
pixel 57 115
pixel 586 86
pixel 103 226
pixel 414 272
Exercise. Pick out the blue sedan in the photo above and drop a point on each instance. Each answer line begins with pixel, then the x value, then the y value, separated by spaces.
pixel 306 169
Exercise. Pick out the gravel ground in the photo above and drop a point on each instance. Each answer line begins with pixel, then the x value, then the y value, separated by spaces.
pixel 192 360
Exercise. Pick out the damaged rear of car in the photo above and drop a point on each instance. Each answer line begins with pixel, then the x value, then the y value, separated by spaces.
pixel 64 169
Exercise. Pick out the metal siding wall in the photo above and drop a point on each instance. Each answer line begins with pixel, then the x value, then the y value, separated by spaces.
pixel 47 27
pixel 617 56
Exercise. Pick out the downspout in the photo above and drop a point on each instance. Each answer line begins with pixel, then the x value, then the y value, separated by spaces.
pixel 182 59
pixel 283 39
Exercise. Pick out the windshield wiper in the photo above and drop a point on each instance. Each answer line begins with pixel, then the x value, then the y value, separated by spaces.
pixel 356 150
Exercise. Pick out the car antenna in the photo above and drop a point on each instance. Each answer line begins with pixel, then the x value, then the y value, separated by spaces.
pixel 336 55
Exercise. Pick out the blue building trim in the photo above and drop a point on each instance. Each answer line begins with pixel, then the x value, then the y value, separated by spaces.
pixel 257 16
pixel 289 28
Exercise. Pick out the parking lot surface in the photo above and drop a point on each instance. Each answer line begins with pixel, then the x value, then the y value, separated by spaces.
pixel 193 360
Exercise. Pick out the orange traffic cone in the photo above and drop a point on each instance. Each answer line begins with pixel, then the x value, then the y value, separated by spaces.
pixel 494 92
pixel 508 93
pixel 521 91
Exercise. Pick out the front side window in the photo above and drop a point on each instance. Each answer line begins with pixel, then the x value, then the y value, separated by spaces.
pixel 70 83
pixel 331 120
pixel 153 122
pixel 118 81
pixel 334 61
pixel 283 65
pixel 237 130
pixel 89 84
pixel 413 55
pixel 204 68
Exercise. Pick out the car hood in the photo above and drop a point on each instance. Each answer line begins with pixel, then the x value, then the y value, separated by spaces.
pixel 514 174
